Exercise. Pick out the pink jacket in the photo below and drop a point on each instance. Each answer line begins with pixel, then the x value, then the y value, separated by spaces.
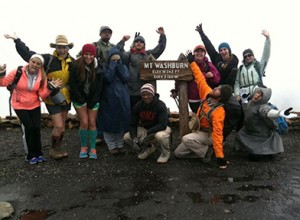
pixel 22 97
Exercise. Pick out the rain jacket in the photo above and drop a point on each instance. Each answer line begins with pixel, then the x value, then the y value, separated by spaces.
pixel 24 97
pixel 216 122
pixel 115 104
pixel 132 60
pixel 227 70
pixel 77 86
pixel 259 134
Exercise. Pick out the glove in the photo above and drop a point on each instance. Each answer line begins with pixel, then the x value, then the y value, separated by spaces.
pixel 174 93
pixel 136 34
pixel 190 57
pixel 222 163
pixel 135 145
pixel 286 113
pixel 199 28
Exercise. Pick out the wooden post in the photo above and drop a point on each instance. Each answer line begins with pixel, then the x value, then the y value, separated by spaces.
pixel 183 109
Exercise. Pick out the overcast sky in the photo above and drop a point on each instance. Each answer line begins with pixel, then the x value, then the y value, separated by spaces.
pixel 237 22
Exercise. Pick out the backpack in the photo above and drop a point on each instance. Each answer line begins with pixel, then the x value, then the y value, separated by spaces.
pixel 13 85
pixel 209 113
pixel 282 126
pixel 256 67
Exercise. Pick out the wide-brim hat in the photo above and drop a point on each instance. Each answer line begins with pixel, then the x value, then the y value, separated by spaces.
pixel 61 40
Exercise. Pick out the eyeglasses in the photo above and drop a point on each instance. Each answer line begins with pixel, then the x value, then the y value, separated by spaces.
pixel 139 41
pixel 248 55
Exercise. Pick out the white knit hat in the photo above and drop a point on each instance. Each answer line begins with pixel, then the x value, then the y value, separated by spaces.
pixel 147 88
pixel 38 56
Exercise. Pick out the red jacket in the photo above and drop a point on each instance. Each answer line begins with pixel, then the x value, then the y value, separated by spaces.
pixel 22 97
pixel 217 116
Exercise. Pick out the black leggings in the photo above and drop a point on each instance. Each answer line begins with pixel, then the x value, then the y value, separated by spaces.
pixel 31 120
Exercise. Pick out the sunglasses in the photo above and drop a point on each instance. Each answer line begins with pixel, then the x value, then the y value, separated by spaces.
pixel 248 55
pixel 139 41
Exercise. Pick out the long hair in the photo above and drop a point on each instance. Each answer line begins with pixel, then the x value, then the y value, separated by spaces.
pixel 44 77
pixel 81 70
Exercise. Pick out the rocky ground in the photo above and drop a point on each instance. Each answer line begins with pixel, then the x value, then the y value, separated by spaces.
pixel 124 187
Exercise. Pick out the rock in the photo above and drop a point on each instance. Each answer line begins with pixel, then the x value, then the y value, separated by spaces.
pixel 6 210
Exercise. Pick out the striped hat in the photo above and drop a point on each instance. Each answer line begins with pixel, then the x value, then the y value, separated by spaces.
pixel 147 88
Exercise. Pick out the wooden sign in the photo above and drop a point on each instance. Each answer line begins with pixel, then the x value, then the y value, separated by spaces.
pixel 166 70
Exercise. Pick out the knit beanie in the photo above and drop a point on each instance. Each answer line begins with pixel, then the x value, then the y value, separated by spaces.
pixel 38 56
pixel 89 48
pixel 225 45
pixel 248 51
pixel 201 47
pixel 139 38
pixel 147 88
pixel 226 93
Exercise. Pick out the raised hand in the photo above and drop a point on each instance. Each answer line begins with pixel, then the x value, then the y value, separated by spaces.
pixel 199 28
pixel 160 30
pixel 13 36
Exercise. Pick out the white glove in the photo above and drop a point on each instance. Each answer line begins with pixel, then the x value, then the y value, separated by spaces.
pixel 286 113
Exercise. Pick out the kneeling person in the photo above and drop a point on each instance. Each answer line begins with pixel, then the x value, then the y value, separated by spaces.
pixel 148 125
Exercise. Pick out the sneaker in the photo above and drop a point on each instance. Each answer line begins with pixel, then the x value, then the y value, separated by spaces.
pixel 114 151
pixel 83 152
pixel 93 154
pixel 41 159
pixel 146 153
pixel 33 160
pixel 163 158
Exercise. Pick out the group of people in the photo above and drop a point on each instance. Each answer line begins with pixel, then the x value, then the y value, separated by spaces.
pixel 114 105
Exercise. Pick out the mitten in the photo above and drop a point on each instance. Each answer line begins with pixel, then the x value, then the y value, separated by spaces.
pixel 286 113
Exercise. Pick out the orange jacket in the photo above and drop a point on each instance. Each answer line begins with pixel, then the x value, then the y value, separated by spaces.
pixel 22 97
pixel 217 116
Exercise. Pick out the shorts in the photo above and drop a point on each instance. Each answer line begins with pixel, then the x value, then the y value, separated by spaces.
pixel 78 106
pixel 54 109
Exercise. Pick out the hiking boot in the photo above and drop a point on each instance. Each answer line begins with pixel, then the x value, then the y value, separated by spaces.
pixel 83 152
pixel 55 154
pixel 63 151
pixel 93 154
pixel 41 159
pixel 163 158
pixel 146 153
pixel 114 151
pixel 33 160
